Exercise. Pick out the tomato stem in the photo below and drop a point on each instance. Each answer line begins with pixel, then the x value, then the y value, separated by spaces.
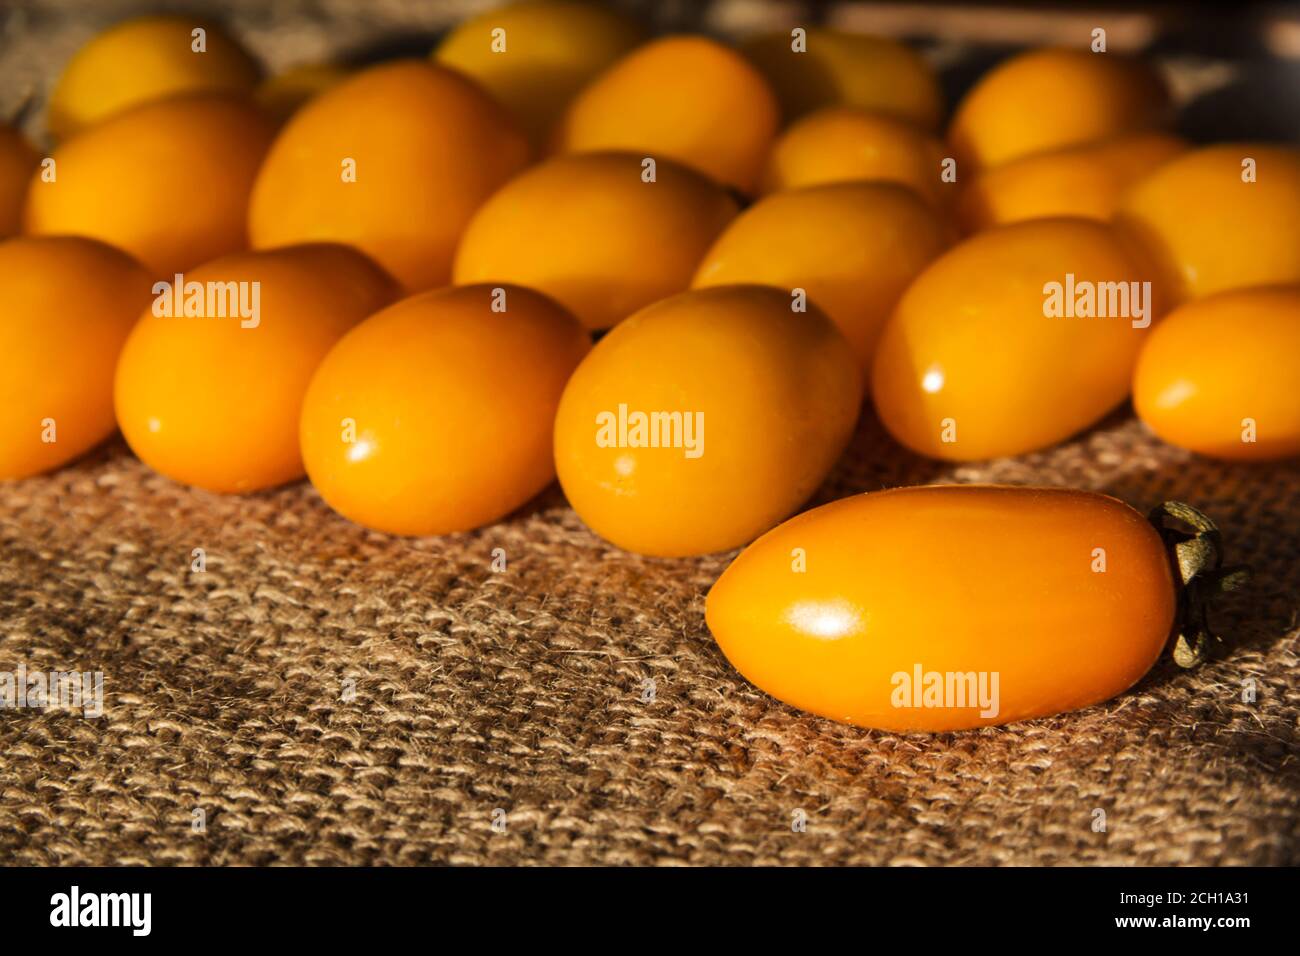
pixel 1198 557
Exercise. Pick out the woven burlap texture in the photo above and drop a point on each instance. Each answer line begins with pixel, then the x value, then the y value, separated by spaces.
pixel 527 690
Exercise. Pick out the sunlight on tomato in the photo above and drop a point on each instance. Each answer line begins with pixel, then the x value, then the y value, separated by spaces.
pixel 853 248
pixel 144 59
pixel 1052 98
pixel 167 182
pixel 435 415
pixel 535 56
pixel 68 305
pixel 849 610
pixel 1219 375
pixel 591 232
pixel 704 419
pixel 994 349
pixel 686 98
pixel 213 399
pixel 394 161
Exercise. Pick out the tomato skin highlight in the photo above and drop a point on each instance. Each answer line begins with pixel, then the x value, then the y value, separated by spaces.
pixel 956 579
pixel 1215 363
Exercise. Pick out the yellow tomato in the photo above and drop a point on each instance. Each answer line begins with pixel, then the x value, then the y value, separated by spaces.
pixel 285 93
pixel 852 247
pixel 535 56
pixel 435 415
pixel 1208 229
pixel 17 162
pixel 1047 99
pixel 686 98
pixel 393 161
pixel 210 384
pixel 167 181
pixel 843 144
pixel 1013 340
pixel 704 419
pixel 589 231
pixel 68 305
pixel 1085 180
pixel 848 69
pixel 1218 375
pixel 948 607
pixel 144 59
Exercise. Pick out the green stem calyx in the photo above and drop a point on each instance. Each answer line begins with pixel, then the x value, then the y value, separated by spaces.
pixel 1198 557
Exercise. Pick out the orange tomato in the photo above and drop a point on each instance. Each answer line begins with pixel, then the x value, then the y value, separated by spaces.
pixel 145 59
pixel 590 232
pixel 68 305
pixel 852 247
pixel 167 181
pixel 210 384
pixel 18 160
pixel 1051 98
pixel 1085 180
pixel 704 419
pixel 1207 229
pixel 843 144
pixel 686 98
pixel 995 350
pixel 1218 375
pixel 435 415
pixel 393 160
pixel 535 56
pixel 948 607
pixel 848 69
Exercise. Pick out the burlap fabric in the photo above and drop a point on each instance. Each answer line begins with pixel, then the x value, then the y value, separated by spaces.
pixel 528 691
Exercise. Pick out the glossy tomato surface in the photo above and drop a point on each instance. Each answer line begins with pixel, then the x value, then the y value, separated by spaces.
pixel 1045 600
pixel 435 415
pixel 990 352
pixel 1219 375
pixel 853 248
pixel 210 384
pixel 1220 217
pixel 167 181
pixel 686 98
pixel 704 419
pixel 393 160
pixel 67 305
pixel 590 231
pixel 1050 98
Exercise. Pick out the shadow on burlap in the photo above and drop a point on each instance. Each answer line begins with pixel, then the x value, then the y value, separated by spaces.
pixel 526 691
